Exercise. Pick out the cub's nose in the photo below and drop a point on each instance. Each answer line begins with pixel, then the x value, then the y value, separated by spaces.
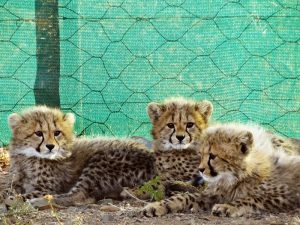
pixel 201 170
pixel 50 146
pixel 180 137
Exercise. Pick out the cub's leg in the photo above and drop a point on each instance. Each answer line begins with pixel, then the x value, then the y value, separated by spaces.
pixel 233 209
pixel 10 197
pixel 241 206
pixel 179 203
pixel 256 203
pixel 17 192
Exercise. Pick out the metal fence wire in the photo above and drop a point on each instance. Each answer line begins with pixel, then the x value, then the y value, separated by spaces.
pixel 105 60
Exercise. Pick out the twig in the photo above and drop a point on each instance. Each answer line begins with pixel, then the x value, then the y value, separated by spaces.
pixel 134 197
pixel 114 206
pixel 53 211
pixel 12 180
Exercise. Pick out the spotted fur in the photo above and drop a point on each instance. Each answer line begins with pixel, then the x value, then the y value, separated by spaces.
pixel 177 127
pixel 45 158
pixel 178 123
pixel 245 173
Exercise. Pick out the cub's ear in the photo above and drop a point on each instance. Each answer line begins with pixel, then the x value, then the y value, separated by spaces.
pixel 70 117
pixel 205 108
pixel 14 120
pixel 245 140
pixel 155 110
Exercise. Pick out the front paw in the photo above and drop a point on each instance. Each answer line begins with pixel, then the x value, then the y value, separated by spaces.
pixel 155 209
pixel 40 203
pixel 13 200
pixel 7 193
pixel 226 210
pixel 45 202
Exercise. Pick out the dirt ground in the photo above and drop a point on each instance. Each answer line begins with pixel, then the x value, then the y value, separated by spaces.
pixel 124 212
pixel 127 212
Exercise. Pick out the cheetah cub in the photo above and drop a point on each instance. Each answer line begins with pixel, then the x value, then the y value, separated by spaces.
pixel 177 127
pixel 245 175
pixel 45 158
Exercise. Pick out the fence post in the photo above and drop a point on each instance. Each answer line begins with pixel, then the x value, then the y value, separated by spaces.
pixel 46 88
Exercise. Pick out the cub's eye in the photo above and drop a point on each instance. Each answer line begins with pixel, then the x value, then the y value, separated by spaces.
pixel 57 132
pixel 170 125
pixel 189 125
pixel 212 156
pixel 39 133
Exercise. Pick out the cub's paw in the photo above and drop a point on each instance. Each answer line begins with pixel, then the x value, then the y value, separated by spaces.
pixel 7 193
pixel 40 203
pixel 13 200
pixel 45 202
pixel 177 187
pixel 226 210
pixel 155 209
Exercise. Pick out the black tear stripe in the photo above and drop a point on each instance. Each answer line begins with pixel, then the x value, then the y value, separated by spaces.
pixel 38 148
pixel 61 133
pixel 56 141
pixel 170 138
pixel 212 170
pixel 186 130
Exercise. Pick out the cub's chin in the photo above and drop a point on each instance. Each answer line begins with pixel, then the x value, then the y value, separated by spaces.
pixel 170 146
pixel 224 179
pixel 59 154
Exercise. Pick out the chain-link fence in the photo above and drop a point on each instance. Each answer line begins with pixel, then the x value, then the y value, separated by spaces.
pixel 118 55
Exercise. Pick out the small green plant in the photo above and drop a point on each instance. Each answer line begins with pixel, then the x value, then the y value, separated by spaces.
pixel 154 189
pixel 16 211
pixel 21 208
